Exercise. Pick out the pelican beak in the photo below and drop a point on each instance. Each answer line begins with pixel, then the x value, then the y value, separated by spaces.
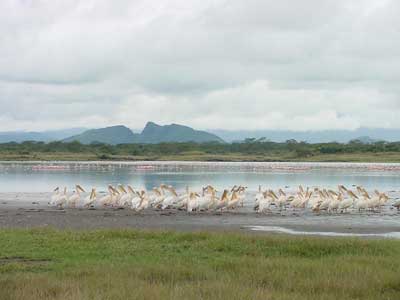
pixel 123 189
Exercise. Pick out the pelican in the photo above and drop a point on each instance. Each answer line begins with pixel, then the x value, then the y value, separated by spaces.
pixel 158 196
pixel 375 202
pixel 349 202
pixel 396 204
pixel 76 196
pixel 170 200
pixel 258 198
pixel 342 189
pixel 109 198
pixel 126 195
pixel 89 200
pixel 223 202
pixel 193 203
pixel 335 202
pixel 140 201
pixel 56 195
pixel 326 200
pixel 281 201
pixel 297 201
pixel 265 203
pixel 234 201
pixel 361 203
pixel 62 199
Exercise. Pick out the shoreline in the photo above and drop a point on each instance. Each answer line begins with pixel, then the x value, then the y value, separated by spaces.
pixel 360 157
pixel 28 210
pixel 338 164
pixel 292 224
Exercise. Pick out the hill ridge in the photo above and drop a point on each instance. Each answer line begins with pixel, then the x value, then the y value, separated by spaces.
pixel 152 133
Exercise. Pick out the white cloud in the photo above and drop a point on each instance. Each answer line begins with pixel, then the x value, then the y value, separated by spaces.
pixel 234 64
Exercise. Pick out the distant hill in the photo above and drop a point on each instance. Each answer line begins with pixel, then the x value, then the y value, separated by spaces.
pixel 321 136
pixel 110 135
pixel 151 134
pixel 45 136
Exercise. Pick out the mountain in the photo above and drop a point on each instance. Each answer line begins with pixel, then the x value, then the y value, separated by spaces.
pixel 110 135
pixel 153 133
pixel 45 136
pixel 321 136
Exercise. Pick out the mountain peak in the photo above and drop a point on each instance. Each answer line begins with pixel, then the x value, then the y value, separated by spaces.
pixel 113 135
pixel 150 127
pixel 151 134
pixel 154 133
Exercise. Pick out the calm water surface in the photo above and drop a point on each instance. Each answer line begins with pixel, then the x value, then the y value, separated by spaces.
pixel 43 177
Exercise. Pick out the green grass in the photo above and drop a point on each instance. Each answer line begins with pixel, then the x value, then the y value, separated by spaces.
pixel 199 156
pixel 128 264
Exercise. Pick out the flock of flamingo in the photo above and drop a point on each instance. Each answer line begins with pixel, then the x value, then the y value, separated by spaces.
pixel 166 197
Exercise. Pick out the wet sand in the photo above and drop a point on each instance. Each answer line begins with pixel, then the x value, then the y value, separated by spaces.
pixel 25 210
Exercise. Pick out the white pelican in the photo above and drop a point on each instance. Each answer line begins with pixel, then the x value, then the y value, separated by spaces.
pixel 145 201
pixel 264 202
pixel 281 201
pixel 170 200
pixel 158 196
pixel 223 202
pixel 207 199
pixel 136 200
pixel 348 202
pixel 89 200
pixel 62 199
pixel 126 196
pixel 76 196
pixel 258 198
pixel 109 198
pixel 55 196
pixel 193 204
pixel 396 204
pixel 335 202
pixel 234 201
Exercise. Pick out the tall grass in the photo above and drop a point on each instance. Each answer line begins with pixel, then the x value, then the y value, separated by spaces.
pixel 128 264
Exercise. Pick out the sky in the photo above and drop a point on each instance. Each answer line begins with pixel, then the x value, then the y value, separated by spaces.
pixel 249 64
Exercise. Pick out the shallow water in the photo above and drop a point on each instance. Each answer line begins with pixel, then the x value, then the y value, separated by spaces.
pixel 277 229
pixel 43 177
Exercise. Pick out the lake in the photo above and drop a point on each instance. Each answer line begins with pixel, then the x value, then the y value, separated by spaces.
pixel 44 177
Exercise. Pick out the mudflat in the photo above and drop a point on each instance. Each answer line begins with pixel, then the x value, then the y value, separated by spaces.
pixel 24 210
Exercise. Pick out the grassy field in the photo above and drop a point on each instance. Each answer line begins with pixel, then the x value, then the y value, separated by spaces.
pixel 127 264
pixel 190 156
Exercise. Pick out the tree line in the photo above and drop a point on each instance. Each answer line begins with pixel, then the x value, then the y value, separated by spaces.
pixel 248 146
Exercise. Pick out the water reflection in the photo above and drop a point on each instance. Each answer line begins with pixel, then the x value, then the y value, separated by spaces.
pixel 36 177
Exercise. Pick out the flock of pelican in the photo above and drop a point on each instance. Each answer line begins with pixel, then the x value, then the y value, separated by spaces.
pixel 340 200
pixel 166 197
pixel 162 197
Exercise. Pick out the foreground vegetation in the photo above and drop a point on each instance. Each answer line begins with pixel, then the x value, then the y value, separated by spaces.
pixel 127 264
pixel 250 150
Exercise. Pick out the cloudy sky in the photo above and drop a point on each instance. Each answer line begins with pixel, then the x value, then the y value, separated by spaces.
pixel 249 64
